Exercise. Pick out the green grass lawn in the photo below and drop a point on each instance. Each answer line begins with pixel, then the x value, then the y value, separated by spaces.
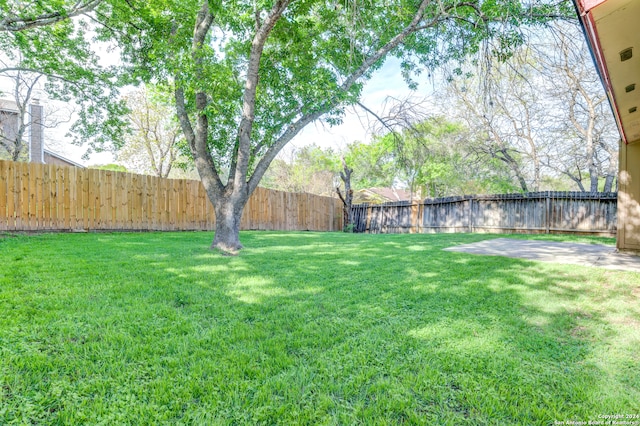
pixel 308 328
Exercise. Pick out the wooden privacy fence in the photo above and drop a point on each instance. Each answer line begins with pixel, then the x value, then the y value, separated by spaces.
pixel 41 197
pixel 537 212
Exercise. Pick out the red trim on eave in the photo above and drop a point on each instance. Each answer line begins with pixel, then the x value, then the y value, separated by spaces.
pixel 601 63
pixel 587 5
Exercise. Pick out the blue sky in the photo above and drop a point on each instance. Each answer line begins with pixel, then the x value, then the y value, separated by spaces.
pixel 386 82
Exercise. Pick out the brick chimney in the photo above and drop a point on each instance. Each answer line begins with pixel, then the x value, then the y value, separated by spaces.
pixel 36 141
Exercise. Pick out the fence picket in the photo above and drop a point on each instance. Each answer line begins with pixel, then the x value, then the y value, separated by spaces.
pixel 34 196
pixel 23 196
pixel 3 196
pixel 540 212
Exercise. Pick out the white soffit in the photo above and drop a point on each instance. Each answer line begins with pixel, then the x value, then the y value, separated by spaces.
pixel 617 28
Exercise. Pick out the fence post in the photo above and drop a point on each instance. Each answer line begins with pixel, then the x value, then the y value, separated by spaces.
pixel 548 213
pixel 471 214
pixel 414 218
pixel 4 214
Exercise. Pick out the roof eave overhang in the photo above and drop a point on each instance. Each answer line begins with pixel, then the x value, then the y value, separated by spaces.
pixel 610 27
pixel 590 29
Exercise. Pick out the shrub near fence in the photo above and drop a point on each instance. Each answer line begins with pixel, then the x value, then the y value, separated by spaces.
pixel 42 197
pixel 536 212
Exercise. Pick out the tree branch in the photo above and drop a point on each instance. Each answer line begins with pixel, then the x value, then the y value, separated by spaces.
pixel 201 155
pixel 377 117
pixel 240 161
pixel 198 137
pixel 13 22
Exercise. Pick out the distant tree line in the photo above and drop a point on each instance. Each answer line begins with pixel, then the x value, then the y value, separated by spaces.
pixel 535 120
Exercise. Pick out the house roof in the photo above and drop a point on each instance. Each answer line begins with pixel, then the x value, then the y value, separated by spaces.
pixel 392 194
pixel 611 30
pixel 381 195
pixel 7 105
pixel 60 157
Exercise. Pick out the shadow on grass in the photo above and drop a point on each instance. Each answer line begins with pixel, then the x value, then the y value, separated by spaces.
pixel 512 338
pixel 319 328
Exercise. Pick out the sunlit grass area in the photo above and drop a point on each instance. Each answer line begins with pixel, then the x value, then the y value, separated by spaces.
pixel 308 328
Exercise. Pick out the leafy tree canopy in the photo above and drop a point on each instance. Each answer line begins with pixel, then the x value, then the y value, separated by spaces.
pixel 40 38
pixel 308 169
pixel 432 158
pixel 311 63
pixel 373 164
pixel 22 15
pixel 111 167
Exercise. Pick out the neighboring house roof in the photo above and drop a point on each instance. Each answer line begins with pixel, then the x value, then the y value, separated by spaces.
pixel 37 151
pixel 380 195
pixel 51 157
pixel 7 105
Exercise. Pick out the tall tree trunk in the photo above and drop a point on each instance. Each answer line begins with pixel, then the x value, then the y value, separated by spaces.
pixel 579 183
pixel 593 177
pixel 536 173
pixel 612 173
pixel 612 170
pixel 608 182
pixel 228 216
pixel 513 165
pixel 523 183
pixel 347 199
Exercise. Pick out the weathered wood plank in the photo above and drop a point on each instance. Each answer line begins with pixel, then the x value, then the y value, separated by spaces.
pixel 552 211
pixel 4 213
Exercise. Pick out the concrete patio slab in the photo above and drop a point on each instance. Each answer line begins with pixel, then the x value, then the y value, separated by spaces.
pixel 549 251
